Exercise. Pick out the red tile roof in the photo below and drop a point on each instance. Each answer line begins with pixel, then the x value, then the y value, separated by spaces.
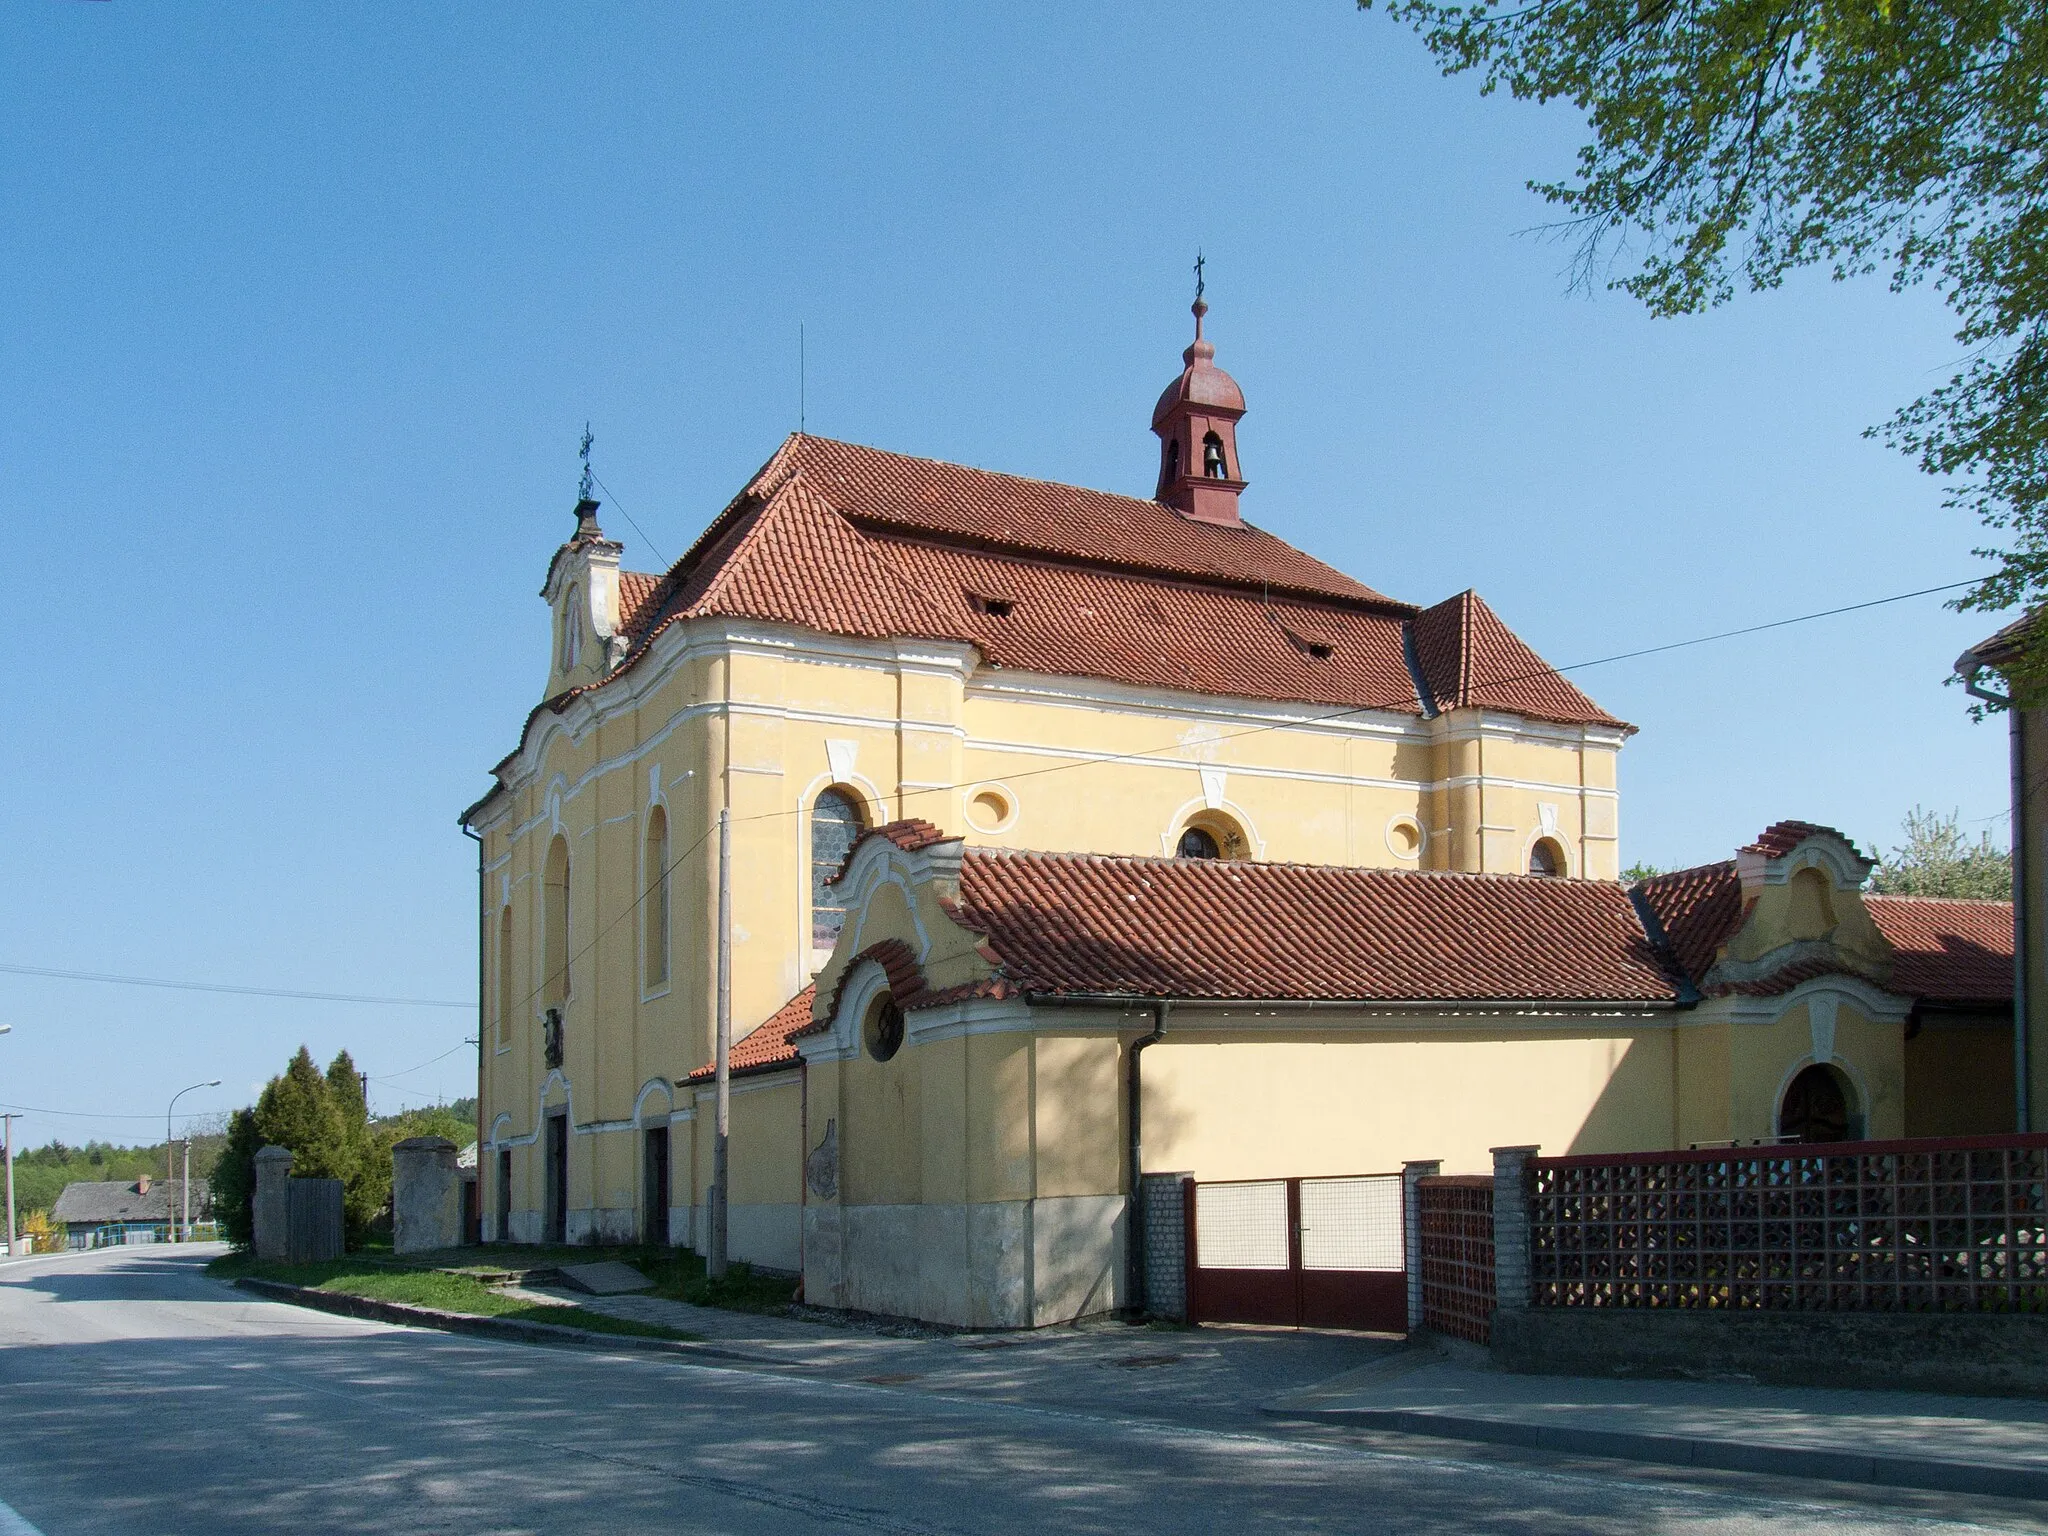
pixel 1781 837
pixel 1699 909
pixel 1949 951
pixel 1042 517
pixel 1205 928
pixel 1946 951
pixel 768 1045
pixel 1055 579
pixel 636 589
pixel 1470 659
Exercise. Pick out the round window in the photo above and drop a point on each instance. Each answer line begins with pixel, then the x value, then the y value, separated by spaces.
pixel 1404 837
pixel 884 1029
pixel 989 810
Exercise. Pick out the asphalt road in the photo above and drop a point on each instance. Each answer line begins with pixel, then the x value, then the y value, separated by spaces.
pixel 138 1396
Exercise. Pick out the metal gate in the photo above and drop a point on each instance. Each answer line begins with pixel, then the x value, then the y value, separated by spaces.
pixel 1301 1253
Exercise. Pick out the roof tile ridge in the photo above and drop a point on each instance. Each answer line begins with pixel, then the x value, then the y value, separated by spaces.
pixel 1665 876
pixel 1467 600
pixel 980 852
pixel 1941 901
pixel 1374 602
pixel 977 469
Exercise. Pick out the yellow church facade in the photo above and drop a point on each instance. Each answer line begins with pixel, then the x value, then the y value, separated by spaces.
pixel 1078 671
pixel 973 731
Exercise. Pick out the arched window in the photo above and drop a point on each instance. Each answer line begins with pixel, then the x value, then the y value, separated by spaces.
pixel 836 825
pixel 1212 834
pixel 572 631
pixel 508 995
pixel 554 989
pixel 1546 858
pixel 1172 460
pixel 1816 1106
pixel 654 908
pixel 1212 458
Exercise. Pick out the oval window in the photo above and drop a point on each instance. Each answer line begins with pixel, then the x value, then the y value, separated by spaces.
pixel 883 1032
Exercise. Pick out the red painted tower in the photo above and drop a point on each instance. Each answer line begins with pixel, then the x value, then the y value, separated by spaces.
pixel 1196 419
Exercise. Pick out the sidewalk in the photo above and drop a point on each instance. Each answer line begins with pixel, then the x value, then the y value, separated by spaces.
pixel 1213 1376
pixel 1981 1445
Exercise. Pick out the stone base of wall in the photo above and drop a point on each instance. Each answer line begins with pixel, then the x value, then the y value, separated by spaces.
pixel 603 1225
pixel 999 1264
pixel 1971 1352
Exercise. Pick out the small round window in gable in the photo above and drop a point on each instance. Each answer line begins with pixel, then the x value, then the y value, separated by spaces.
pixel 991 808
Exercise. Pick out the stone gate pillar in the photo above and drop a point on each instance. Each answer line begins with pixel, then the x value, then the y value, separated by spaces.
pixel 271 1205
pixel 426 1195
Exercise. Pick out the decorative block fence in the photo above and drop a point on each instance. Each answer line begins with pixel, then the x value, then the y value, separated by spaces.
pixel 1456 1221
pixel 1950 1225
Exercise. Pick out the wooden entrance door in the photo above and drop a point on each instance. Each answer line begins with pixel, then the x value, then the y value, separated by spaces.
pixel 1300 1253
pixel 654 1188
pixel 556 1210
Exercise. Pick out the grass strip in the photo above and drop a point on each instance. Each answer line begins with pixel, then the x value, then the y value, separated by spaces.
pixel 433 1289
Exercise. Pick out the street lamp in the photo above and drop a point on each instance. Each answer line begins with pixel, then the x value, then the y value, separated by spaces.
pixel 169 1172
pixel 8 1121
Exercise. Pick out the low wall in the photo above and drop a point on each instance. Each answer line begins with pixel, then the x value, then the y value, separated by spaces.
pixel 1973 1352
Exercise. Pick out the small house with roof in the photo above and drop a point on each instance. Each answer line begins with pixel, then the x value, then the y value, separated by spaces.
pixel 95 1215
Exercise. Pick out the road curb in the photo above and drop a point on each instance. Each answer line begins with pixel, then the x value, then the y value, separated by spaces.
pixel 370 1308
pixel 1690 1451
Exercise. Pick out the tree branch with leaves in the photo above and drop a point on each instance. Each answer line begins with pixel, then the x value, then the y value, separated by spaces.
pixel 1735 141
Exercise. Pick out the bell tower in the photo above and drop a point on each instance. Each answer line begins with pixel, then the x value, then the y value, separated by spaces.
pixel 1196 420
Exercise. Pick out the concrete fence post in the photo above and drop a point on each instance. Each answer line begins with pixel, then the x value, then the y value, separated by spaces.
pixel 270 1207
pixel 1412 1175
pixel 1511 1227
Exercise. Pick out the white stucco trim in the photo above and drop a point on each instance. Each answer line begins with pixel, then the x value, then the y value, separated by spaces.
pixel 648 1089
pixel 842 1042
pixel 1872 1001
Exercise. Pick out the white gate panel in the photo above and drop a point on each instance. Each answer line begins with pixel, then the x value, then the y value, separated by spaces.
pixel 1351 1223
pixel 1242 1226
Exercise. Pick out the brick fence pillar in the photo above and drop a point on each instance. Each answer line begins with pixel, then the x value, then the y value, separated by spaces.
pixel 1412 1175
pixel 1511 1227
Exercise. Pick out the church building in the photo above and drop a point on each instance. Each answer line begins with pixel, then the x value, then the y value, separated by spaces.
pixel 1030 784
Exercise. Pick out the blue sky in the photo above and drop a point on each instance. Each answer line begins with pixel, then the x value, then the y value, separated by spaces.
pixel 306 307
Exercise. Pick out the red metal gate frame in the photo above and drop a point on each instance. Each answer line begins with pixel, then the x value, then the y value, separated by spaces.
pixel 1375 1300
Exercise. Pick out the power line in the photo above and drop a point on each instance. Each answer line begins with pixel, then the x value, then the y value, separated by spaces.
pixel 408 1072
pixel 230 988
pixel 651 545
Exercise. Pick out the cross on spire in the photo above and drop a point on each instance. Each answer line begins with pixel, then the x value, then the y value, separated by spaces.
pixel 1200 261
pixel 586 484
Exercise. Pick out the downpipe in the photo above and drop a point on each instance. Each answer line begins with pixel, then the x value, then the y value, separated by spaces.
pixel 1134 1237
pixel 2016 731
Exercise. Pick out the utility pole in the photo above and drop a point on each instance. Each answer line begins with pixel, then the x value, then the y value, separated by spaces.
pixel 715 1266
pixel 9 1120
